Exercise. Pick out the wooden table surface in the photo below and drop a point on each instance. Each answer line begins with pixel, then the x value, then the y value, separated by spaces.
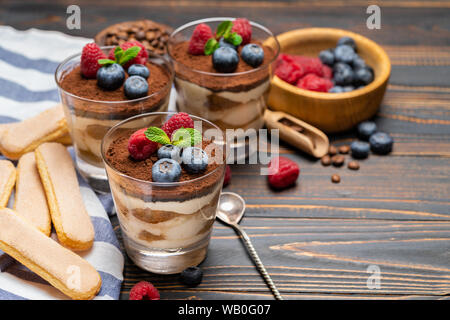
pixel 317 239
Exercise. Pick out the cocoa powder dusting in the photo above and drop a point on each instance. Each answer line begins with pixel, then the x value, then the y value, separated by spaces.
pixel 119 158
pixel 76 84
pixel 187 64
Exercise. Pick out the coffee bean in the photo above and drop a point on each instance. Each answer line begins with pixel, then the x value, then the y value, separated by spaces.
pixel 150 35
pixel 335 178
pixel 332 150
pixel 353 165
pixel 344 149
pixel 337 160
pixel 122 35
pixel 326 160
pixel 140 35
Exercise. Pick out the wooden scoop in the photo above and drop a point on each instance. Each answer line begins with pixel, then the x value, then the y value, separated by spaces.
pixel 298 133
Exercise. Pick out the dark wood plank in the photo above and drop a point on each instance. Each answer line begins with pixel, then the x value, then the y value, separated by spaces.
pixel 403 22
pixel 317 256
pixel 385 187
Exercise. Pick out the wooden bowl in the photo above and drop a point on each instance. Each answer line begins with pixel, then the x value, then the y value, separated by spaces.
pixel 330 112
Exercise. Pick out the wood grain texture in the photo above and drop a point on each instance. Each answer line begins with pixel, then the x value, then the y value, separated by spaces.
pixel 323 256
pixel 317 238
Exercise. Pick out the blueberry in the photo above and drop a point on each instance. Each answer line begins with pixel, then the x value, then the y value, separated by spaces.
pixel 194 159
pixel 191 276
pixel 225 59
pixel 360 149
pixel 166 170
pixel 344 53
pixel 110 77
pixel 169 151
pixel 348 88
pixel 381 143
pixel 138 70
pixel 358 62
pixel 336 89
pixel 343 74
pixel 327 57
pixel 253 55
pixel 347 41
pixel 366 129
pixel 223 43
pixel 363 76
pixel 135 87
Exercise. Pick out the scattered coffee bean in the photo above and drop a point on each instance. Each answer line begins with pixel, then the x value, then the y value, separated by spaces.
pixel 332 150
pixel 335 178
pixel 353 165
pixel 326 160
pixel 344 149
pixel 337 160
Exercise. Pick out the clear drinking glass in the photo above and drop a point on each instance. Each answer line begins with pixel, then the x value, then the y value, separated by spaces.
pixel 166 227
pixel 229 100
pixel 89 120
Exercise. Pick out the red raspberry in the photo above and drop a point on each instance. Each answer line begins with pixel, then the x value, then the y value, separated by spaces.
pixel 144 291
pixel 181 119
pixel 242 27
pixel 289 71
pixel 202 33
pixel 310 65
pixel 89 60
pixel 141 58
pixel 315 83
pixel 327 72
pixel 139 146
pixel 283 172
pixel 227 178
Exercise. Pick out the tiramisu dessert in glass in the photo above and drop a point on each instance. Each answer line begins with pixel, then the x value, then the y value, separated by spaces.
pixel 103 86
pixel 166 173
pixel 223 71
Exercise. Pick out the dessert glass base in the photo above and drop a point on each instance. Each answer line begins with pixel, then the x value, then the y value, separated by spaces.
pixel 91 111
pixel 166 227
pixel 166 261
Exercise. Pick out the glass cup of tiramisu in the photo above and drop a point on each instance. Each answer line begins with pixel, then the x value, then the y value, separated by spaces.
pixel 222 73
pixel 165 193
pixel 96 97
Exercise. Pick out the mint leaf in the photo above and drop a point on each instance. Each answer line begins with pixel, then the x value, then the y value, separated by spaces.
pixel 129 54
pixel 181 138
pixel 196 136
pixel 105 62
pixel 157 135
pixel 234 38
pixel 224 28
pixel 210 46
pixel 186 137
pixel 118 52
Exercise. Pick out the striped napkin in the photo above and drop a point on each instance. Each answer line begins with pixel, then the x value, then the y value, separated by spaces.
pixel 28 60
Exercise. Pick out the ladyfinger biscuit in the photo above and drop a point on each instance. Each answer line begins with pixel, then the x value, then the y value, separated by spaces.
pixel 7 181
pixel 22 137
pixel 69 216
pixel 29 200
pixel 62 268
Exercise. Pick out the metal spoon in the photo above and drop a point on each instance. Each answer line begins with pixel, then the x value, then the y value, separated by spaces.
pixel 230 211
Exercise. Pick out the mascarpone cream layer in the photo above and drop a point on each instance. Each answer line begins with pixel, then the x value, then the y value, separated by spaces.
pixel 186 207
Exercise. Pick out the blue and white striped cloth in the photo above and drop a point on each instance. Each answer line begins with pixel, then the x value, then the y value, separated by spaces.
pixel 28 60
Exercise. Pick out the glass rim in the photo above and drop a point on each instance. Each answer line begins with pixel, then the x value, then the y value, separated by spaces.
pixel 217 19
pixel 151 54
pixel 157 184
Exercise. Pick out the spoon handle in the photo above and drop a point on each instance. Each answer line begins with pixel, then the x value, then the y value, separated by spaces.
pixel 258 263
